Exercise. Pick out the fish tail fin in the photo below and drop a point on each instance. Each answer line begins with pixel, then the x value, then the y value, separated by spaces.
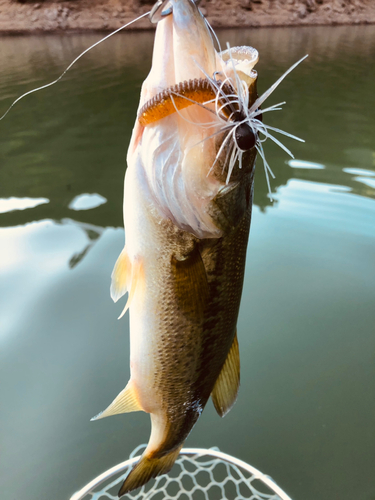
pixel 150 465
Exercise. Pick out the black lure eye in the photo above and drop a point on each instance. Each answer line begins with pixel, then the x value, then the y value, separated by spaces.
pixel 245 137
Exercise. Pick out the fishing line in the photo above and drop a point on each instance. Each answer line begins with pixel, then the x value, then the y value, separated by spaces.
pixel 72 63
pixel 213 33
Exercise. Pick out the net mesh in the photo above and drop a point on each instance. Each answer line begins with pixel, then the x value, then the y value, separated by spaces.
pixel 199 475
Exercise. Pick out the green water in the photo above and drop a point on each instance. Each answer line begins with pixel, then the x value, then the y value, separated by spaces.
pixel 306 408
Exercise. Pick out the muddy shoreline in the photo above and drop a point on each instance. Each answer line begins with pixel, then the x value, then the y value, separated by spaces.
pixel 27 16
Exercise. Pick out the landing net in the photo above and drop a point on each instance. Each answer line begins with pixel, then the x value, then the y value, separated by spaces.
pixel 198 474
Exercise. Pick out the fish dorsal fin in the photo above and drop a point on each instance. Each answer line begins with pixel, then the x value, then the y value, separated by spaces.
pixel 125 402
pixel 126 277
pixel 225 391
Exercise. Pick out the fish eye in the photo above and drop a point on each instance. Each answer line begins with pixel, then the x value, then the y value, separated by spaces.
pixel 245 137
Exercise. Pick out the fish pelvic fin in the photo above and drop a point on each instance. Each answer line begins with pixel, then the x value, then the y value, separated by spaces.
pixel 126 277
pixel 225 391
pixel 125 402
pixel 150 465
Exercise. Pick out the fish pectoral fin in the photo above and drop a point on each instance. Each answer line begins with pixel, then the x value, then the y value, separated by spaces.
pixel 121 276
pixel 225 391
pixel 126 277
pixel 191 284
pixel 149 466
pixel 125 402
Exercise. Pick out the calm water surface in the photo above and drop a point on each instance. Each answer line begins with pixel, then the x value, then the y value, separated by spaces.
pixel 306 409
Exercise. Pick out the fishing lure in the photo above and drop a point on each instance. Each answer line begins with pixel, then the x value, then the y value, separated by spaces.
pixel 244 122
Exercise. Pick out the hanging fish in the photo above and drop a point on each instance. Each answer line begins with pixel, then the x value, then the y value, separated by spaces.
pixel 187 210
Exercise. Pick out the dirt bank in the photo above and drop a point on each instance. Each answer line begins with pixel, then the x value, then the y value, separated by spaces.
pixel 78 15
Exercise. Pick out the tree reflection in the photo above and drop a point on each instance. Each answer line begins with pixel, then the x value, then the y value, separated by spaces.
pixel 93 234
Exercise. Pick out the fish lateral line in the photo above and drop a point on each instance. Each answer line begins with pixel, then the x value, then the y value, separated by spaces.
pixel 183 95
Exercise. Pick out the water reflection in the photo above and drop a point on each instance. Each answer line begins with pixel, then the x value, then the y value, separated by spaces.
pixel 10 204
pixel 71 139
pixel 86 202
pixel 307 321
pixel 305 164
pixel 93 233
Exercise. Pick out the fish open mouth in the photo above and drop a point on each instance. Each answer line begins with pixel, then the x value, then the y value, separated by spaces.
pixel 201 118
pixel 231 94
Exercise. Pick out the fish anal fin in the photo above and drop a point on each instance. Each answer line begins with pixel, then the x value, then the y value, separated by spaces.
pixel 149 466
pixel 121 276
pixel 191 284
pixel 225 391
pixel 125 402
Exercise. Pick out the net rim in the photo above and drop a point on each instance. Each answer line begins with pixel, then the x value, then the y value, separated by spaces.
pixel 199 452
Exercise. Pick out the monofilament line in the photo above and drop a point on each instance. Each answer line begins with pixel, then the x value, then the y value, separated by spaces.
pixel 72 63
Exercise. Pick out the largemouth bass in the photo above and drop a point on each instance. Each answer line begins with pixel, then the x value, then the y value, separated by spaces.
pixel 187 211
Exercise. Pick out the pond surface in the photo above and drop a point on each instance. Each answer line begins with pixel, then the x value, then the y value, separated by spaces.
pixel 306 409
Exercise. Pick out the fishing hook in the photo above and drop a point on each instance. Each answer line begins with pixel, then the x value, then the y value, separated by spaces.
pixel 161 10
